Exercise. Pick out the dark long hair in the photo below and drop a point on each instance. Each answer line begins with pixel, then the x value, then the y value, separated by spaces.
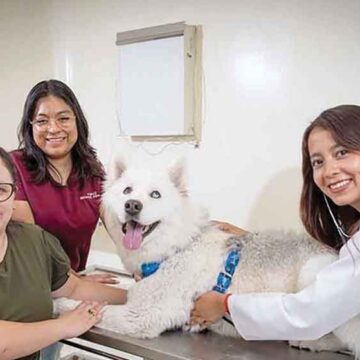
pixel 85 162
pixel 343 122
pixel 6 159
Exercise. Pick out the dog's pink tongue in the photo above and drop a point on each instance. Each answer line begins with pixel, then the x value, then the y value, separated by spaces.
pixel 133 237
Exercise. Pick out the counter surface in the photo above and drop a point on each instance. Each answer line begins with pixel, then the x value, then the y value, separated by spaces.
pixel 176 345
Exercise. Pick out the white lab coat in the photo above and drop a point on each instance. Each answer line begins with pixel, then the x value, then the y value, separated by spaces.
pixel 331 300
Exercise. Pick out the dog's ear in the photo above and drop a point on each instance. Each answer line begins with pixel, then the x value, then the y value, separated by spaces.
pixel 121 158
pixel 116 169
pixel 177 176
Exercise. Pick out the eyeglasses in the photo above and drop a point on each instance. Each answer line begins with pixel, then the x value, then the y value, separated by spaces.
pixel 63 122
pixel 6 190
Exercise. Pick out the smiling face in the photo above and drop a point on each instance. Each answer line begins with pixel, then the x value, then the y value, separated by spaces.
pixel 54 127
pixel 336 169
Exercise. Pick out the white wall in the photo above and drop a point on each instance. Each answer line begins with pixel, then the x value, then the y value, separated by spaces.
pixel 25 58
pixel 269 68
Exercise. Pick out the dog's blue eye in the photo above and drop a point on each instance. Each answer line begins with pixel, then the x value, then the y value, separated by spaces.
pixel 127 190
pixel 155 194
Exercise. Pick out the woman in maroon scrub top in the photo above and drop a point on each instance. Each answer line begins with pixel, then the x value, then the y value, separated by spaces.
pixel 59 175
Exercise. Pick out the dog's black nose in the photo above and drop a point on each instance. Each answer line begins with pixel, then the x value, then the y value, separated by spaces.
pixel 133 207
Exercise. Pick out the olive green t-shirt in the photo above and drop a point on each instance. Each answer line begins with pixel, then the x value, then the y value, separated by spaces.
pixel 34 265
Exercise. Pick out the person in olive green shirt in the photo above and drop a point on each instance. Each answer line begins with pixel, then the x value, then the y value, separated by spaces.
pixel 33 270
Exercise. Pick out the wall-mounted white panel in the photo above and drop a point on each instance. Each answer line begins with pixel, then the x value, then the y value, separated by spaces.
pixel 151 87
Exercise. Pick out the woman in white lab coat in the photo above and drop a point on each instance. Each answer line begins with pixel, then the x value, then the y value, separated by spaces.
pixel 330 205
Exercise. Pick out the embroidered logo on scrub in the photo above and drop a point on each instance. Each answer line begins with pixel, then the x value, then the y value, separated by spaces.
pixel 90 196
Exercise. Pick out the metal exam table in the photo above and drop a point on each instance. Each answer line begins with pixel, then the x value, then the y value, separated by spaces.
pixel 207 346
pixel 177 345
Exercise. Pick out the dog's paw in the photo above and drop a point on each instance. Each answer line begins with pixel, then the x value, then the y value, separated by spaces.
pixel 193 328
pixel 328 342
pixel 124 321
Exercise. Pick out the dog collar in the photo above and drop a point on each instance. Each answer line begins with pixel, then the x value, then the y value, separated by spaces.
pixel 148 269
pixel 225 277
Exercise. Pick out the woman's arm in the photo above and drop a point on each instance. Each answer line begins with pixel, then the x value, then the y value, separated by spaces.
pixel 21 339
pixel 22 212
pixel 81 289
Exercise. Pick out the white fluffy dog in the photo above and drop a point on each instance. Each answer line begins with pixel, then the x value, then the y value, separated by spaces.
pixel 152 220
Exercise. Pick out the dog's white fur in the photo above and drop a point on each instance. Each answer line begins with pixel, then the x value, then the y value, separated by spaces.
pixel 193 252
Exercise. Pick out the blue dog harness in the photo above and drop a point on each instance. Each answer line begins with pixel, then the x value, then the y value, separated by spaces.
pixel 223 280
pixel 225 277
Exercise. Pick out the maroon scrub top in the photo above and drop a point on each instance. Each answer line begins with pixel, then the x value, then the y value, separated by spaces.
pixel 68 212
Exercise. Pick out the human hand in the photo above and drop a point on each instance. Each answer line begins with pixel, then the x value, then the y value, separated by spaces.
pixel 103 278
pixel 81 319
pixel 229 228
pixel 208 309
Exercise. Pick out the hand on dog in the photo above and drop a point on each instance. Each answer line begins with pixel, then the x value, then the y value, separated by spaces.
pixel 103 278
pixel 208 309
pixel 81 319
pixel 229 228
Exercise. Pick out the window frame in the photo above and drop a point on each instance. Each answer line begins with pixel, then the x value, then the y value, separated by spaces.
pixel 192 75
